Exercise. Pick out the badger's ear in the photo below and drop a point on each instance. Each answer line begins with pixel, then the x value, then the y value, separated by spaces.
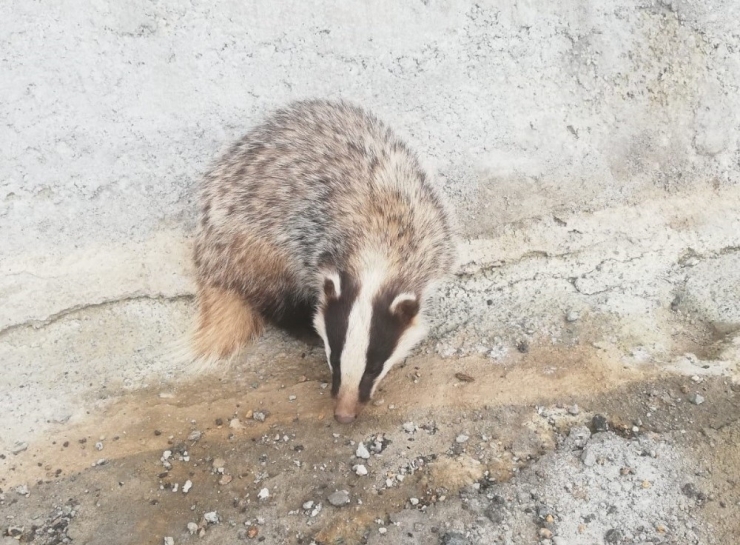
pixel 329 276
pixel 405 306
pixel 332 285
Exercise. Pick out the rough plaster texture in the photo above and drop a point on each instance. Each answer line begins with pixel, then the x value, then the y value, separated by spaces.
pixel 589 150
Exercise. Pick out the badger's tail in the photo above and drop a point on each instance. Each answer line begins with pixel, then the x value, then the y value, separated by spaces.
pixel 225 323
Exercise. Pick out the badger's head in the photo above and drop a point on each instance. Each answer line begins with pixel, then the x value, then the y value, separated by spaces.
pixel 368 322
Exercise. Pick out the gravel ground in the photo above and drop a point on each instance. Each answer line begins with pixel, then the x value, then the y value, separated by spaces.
pixel 584 452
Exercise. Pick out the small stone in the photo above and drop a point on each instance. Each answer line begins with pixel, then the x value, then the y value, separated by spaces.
pixel 362 452
pixel 291 398
pixel 307 505
pixel 235 424
pixel 226 479
pixel 195 435
pixel 574 410
pixel 263 494
pixel 99 445
pixel 192 528
pixel 409 427
pixel 462 377
pixel 382 530
pixel 339 498
pixel 545 533
pixel 166 455
pixel 454 538
pixel 19 447
pixel 696 399
pixel 613 536
pixel 572 316
pixel 252 532
pixel 360 470
pixel 211 517
pixel 187 486
pixel 690 490
pixel 588 457
pixel 646 484
pixel 462 438
pixel 599 423
pixel 169 541
pixel 22 490
pixel 259 416
pixel 218 463
pixel 219 422
pixel 414 501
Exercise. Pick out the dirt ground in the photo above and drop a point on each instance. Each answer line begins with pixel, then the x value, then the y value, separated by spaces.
pixel 448 441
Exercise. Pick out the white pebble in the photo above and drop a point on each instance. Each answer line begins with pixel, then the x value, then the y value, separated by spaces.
pixel 263 494
pixel 211 517
pixel 360 470
pixel 382 530
pixel 462 438
pixel 99 445
pixel 192 528
pixel 362 452
pixel 169 541
pixel 308 505
pixel 414 501
pixel 187 486
pixel 409 427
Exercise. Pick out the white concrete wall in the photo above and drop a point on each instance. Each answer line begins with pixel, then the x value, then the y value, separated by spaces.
pixel 589 149
pixel 111 110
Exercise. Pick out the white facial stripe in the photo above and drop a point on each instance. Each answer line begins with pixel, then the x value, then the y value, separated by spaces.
pixel 400 298
pixel 410 338
pixel 320 326
pixel 354 355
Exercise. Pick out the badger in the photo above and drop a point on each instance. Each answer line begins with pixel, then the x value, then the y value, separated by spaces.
pixel 321 215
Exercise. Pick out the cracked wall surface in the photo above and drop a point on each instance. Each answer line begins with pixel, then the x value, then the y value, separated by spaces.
pixel 589 150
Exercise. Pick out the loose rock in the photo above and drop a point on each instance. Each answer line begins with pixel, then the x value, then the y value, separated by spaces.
pixel 211 517
pixel 696 399
pixel 19 447
pixel 462 438
pixel 339 498
pixel 360 470
pixel 169 541
pixel 462 377
pixel 187 486
pixel 263 494
pixel 192 528
pixel 454 538
pixel 362 452
pixel 599 423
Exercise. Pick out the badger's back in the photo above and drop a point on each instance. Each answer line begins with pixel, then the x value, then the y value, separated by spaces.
pixel 317 179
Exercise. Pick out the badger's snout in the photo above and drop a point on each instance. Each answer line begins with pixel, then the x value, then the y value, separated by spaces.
pixel 347 407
